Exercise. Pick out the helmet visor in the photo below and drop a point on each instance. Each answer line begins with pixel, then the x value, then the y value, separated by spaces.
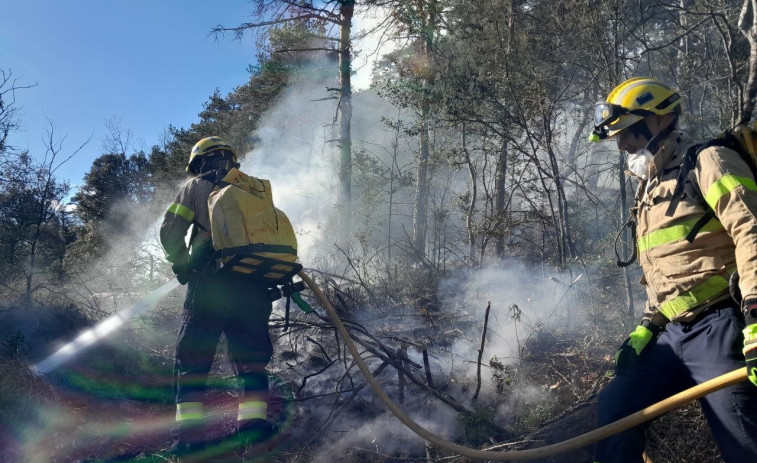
pixel 607 113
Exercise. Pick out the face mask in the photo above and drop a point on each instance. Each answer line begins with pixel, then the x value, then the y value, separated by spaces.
pixel 638 163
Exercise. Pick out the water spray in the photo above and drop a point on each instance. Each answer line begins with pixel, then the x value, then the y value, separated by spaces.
pixel 90 336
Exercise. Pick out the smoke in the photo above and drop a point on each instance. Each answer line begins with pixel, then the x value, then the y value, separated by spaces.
pixel 295 155
pixel 298 152
pixel 523 304
pixel 354 437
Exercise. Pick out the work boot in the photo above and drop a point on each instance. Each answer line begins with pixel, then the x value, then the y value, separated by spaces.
pixel 224 448
pixel 259 439
pixel 187 452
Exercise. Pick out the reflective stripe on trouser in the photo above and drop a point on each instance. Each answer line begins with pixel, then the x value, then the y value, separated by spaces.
pixel 189 411
pixel 685 355
pixel 252 409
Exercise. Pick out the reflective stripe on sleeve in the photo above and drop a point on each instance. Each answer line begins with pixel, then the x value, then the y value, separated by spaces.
pixel 188 411
pixel 724 185
pixel 182 211
pixel 697 296
pixel 674 233
pixel 254 409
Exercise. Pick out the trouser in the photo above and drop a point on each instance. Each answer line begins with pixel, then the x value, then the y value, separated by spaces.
pixel 683 356
pixel 221 303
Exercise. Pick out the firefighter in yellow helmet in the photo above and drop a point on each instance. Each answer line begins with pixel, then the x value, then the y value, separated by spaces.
pixel 223 302
pixel 696 223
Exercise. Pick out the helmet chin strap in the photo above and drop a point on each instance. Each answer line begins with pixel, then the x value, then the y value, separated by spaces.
pixel 654 141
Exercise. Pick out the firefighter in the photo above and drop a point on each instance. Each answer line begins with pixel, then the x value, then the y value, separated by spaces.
pixel 691 330
pixel 216 302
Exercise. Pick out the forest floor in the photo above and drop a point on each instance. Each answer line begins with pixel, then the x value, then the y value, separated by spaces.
pixel 73 426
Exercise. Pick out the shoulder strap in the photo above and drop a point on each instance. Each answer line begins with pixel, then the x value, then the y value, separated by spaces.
pixel 216 178
pixel 699 224
pixel 687 165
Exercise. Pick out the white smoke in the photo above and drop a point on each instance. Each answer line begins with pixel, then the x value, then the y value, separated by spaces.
pixel 295 155
pixel 298 152
pixel 524 304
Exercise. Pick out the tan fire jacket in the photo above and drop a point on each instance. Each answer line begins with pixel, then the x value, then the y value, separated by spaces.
pixel 683 278
pixel 190 206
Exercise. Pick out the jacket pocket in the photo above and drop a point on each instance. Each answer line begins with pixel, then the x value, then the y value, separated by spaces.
pixel 689 263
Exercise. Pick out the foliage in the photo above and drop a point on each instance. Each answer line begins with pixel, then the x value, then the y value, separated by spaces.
pixel 35 226
pixel 476 425
pixel 112 178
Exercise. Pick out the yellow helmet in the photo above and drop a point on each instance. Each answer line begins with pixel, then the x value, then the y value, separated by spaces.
pixel 206 148
pixel 630 102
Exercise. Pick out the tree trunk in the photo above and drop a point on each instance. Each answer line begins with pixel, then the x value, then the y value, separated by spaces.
pixel 470 224
pixel 420 209
pixel 749 30
pixel 345 118
pixel 565 241
pixel 623 220
pixel 499 205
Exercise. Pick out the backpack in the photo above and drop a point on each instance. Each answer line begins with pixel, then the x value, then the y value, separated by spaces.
pixel 741 139
pixel 250 235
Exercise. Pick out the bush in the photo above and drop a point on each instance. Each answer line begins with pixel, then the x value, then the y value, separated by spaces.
pixel 24 397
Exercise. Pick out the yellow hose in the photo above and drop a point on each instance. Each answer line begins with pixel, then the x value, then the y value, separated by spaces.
pixel 583 440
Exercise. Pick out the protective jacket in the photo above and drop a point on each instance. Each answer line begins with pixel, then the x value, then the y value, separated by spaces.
pixel 190 206
pixel 682 279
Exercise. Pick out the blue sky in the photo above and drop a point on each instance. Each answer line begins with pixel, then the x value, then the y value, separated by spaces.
pixel 149 63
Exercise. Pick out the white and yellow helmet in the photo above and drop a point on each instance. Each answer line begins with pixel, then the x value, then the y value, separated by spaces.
pixel 630 102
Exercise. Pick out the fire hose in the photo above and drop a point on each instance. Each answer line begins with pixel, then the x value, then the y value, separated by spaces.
pixel 653 411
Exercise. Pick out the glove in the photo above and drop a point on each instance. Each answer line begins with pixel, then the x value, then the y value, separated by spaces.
pixel 750 339
pixel 750 352
pixel 628 354
pixel 301 303
pixel 181 272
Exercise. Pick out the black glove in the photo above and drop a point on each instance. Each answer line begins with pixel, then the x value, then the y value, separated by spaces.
pixel 629 352
pixel 181 272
